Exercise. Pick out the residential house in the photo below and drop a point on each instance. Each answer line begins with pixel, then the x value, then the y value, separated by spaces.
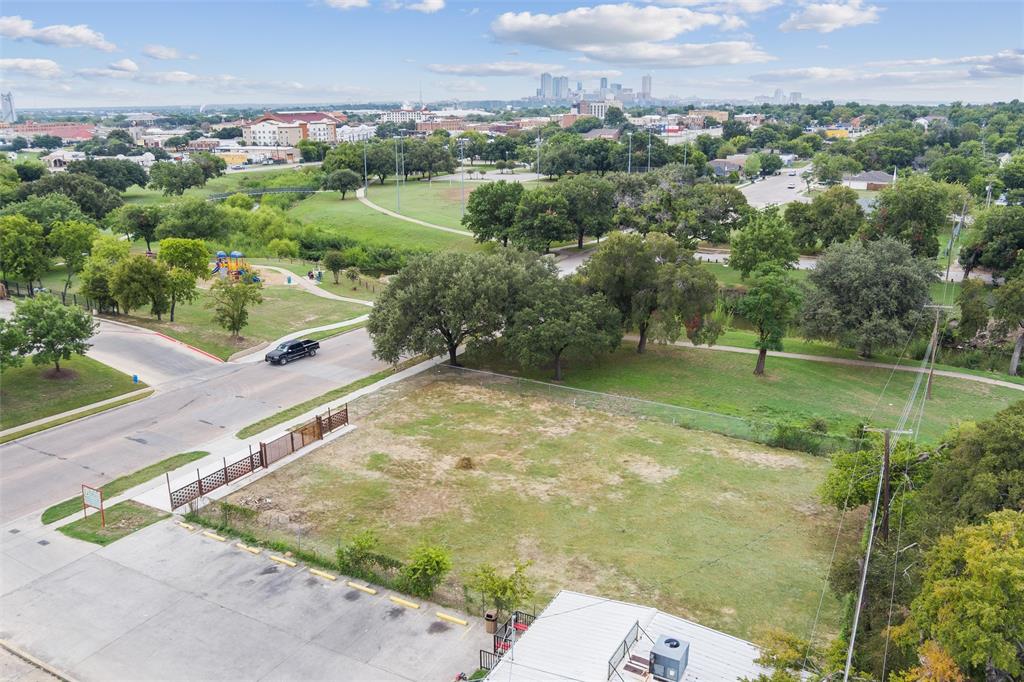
pixel 867 180
pixel 722 167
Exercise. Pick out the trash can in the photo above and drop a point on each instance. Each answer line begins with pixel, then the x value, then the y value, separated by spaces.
pixel 491 621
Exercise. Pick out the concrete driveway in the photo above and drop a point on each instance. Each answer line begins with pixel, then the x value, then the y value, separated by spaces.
pixel 155 358
pixel 186 414
pixel 170 604
pixel 775 189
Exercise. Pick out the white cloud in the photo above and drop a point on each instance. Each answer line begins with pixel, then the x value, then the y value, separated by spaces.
pixel 165 53
pixel 165 77
pixel 493 69
pixel 587 27
pixel 848 77
pixel 427 6
pixel 1008 61
pixel 596 73
pixel 37 68
pixel 60 35
pixel 126 65
pixel 461 86
pixel 347 4
pixel 684 55
pixel 739 6
pixel 828 17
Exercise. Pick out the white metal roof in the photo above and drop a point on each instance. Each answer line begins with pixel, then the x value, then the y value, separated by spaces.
pixel 576 634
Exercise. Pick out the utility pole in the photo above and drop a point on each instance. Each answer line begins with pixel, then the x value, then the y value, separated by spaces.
pixel 648 149
pixel 629 160
pixel 398 184
pixel 366 177
pixel 462 167
pixel 886 456
pixel 538 152
pixel 935 347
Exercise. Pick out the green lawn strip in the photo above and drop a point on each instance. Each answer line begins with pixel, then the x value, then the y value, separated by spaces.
pixel 28 393
pixel 439 202
pixel 331 333
pixel 284 310
pixel 351 218
pixel 72 417
pixel 121 484
pixel 333 394
pixel 122 519
pixel 793 391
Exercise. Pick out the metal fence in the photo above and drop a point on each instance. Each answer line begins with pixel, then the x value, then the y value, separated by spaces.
pixel 623 649
pixel 22 290
pixel 221 196
pixel 268 453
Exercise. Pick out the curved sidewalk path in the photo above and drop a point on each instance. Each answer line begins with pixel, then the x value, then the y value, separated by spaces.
pixel 361 195
pixel 854 363
pixel 315 289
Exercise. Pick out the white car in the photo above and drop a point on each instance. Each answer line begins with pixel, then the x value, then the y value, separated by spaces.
pixel 792 173
pixel 791 185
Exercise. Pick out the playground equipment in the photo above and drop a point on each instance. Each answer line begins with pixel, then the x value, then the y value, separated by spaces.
pixel 234 267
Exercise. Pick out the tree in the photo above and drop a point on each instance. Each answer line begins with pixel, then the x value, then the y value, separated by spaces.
pixel 71 241
pixel 52 331
pixel 138 280
pixel 504 593
pixel 47 141
pixel 380 158
pixel 193 218
pixel 188 260
pixel 770 163
pixel 866 295
pixel 352 274
pixel 30 169
pixel 231 133
pixel 94 198
pixel 770 304
pixel 733 128
pixel 656 286
pixel 542 217
pixel 343 181
pixel 94 282
pixel 22 249
pixel 1000 239
pixel 176 142
pixel 936 666
pixel 591 204
pixel 765 240
pixel 1010 311
pixel 972 596
pixel 240 200
pixel 829 168
pixel 335 263
pixel 491 210
pixel 175 178
pixel 12 344
pixel 835 216
pixel 283 248
pixel 709 212
pixel 137 222
pixel 47 210
pixel 211 165
pixel 439 301
pixel 752 166
pixel 117 173
pixel 912 211
pixel 425 570
pixel 559 319
pixel 614 117
pixel 312 150
pixel 231 301
pixel 973 303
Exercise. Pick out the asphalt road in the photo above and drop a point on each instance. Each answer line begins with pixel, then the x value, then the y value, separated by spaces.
pixel 154 358
pixel 775 189
pixel 186 412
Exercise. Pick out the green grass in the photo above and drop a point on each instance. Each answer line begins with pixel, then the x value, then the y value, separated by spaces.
pixel 793 391
pixel 438 202
pixel 122 519
pixel 580 494
pixel 283 311
pixel 367 289
pixel 331 333
pixel 224 183
pixel 31 392
pixel 72 417
pixel 350 218
pixel 121 484
pixel 335 393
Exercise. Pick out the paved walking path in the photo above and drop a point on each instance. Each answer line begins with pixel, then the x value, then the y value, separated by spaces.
pixel 314 288
pixel 361 195
pixel 850 362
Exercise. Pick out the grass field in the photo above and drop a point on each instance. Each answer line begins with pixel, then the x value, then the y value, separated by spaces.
pixel 284 310
pixel 224 183
pixel 795 391
pixel 351 218
pixel 438 202
pixel 366 289
pixel 122 519
pixel 31 392
pixel 605 504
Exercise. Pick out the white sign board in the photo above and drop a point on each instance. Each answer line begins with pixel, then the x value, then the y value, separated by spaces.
pixel 92 497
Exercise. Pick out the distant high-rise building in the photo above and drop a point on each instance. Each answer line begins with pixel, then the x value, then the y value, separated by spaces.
pixel 546 86
pixel 645 87
pixel 7 111
pixel 779 97
pixel 616 88
pixel 579 86
pixel 795 97
pixel 561 87
pixel 604 84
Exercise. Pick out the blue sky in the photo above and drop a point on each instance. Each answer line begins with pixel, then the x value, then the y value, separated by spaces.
pixel 137 52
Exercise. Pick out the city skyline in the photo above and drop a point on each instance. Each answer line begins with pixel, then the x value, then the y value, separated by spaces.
pixel 99 54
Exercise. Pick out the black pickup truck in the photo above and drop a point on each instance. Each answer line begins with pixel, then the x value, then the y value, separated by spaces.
pixel 291 350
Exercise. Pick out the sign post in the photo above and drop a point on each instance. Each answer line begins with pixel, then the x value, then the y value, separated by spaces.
pixel 93 497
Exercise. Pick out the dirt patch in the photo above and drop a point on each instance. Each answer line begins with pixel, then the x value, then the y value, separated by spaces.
pixel 63 375
pixel 769 457
pixel 649 470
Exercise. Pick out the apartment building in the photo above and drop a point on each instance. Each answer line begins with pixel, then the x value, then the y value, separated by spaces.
pixel 287 128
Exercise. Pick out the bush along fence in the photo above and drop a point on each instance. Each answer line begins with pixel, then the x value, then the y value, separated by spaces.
pixel 267 454
pixel 23 290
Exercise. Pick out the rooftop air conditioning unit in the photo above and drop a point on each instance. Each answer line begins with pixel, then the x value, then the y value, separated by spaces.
pixel 669 657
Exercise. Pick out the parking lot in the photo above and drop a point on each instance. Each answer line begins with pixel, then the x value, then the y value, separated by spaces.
pixel 168 603
pixel 775 189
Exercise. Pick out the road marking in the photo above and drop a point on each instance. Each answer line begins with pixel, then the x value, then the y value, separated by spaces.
pixel 404 602
pixel 214 536
pixel 323 574
pixel 361 588
pixel 282 560
pixel 452 619
pixel 247 548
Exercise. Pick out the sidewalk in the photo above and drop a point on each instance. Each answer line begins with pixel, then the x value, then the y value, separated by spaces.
pixel 361 195
pixel 315 289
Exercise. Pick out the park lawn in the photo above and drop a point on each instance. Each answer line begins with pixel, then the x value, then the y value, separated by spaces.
pixel 792 391
pixel 27 393
pixel 625 508
pixel 121 484
pixel 350 218
pixel 283 311
pixel 224 183
pixel 438 202
pixel 366 289
pixel 122 519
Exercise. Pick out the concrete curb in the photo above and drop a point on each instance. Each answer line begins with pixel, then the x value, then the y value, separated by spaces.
pixel 29 658
pixel 77 410
pixel 161 335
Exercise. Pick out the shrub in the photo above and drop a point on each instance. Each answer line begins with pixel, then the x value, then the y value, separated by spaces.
pixel 354 557
pixel 425 570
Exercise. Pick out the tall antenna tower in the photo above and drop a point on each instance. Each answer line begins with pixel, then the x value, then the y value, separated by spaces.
pixel 7 112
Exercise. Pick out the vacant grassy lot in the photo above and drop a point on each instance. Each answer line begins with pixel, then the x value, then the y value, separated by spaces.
pixel 794 391
pixel 122 519
pixel 284 310
pixel 614 506
pixel 438 202
pixel 32 392
pixel 351 218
